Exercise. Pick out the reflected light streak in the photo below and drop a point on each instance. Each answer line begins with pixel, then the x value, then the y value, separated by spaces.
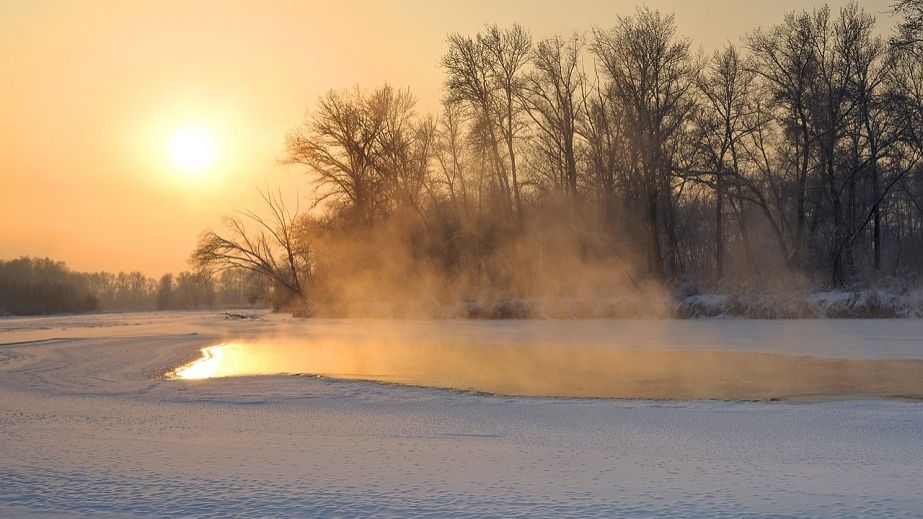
pixel 563 371
pixel 208 366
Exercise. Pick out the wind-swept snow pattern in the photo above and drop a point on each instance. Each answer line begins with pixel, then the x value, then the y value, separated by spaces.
pixel 91 426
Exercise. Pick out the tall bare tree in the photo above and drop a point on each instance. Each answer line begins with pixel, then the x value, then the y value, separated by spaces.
pixel 356 144
pixel 653 74
pixel 783 56
pixel 552 95
pixel 485 74
pixel 725 119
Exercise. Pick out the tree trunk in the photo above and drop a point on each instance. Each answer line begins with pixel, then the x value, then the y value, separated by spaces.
pixel 719 223
pixel 656 255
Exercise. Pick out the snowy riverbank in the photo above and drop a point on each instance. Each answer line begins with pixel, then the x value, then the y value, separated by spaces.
pixel 89 428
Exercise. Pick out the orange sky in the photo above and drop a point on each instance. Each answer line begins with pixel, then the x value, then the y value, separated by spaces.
pixel 90 92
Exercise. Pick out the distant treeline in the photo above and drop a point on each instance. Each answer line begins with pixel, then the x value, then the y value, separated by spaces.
pixel 30 286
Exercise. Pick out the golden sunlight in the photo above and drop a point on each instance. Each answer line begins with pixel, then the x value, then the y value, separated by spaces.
pixel 205 367
pixel 555 370
pixel 192 149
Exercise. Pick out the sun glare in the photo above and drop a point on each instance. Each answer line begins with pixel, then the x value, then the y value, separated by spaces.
pixel 206 366
pixel 192 149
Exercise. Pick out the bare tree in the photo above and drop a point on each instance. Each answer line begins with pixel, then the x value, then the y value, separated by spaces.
pixel 275 248
pixel 653 75
pixel 552 95
pixel 872 133
pixel 451 156
pixel 402 150
pixel 355 144
pixel 725 119
pixel 607 153
pixel 508 50
pixel 784 58
pixel 485 74
pixel 836 43
pixel 910 30
pixel 906 72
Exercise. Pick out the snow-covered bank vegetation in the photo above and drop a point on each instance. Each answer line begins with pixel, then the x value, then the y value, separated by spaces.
pixel 864 303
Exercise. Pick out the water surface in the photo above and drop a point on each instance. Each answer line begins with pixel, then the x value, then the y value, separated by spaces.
pixel 535 368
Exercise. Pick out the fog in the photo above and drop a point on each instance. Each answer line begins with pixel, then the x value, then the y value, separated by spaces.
pixel 556 180
pixel 643 359
pixel 547 267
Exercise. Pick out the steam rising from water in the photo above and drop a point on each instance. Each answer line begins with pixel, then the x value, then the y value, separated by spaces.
pixel 565 370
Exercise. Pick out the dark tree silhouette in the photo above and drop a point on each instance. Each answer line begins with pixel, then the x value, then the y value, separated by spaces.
pixel 275 248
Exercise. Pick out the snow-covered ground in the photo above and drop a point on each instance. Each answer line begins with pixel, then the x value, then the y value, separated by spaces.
pixel 90 427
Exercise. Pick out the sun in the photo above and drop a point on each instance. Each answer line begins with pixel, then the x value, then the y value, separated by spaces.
pixel 192 148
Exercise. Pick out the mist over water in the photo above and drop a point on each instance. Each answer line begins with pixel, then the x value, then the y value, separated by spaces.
pixel 534 364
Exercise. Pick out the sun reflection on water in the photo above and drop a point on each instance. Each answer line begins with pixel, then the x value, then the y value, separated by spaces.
pixel 233 359
pixel 560 370
pixel 208 366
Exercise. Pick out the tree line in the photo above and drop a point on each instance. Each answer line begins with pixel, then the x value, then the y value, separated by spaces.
pixel 624 153
pixel 30 286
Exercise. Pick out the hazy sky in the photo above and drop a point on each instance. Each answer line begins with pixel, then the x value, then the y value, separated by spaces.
pixel 91 91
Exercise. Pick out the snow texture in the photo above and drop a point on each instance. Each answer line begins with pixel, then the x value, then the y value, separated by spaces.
pixel 89 427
